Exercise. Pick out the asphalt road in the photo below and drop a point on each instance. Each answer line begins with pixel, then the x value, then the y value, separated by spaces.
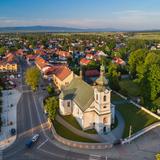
pixel 30 120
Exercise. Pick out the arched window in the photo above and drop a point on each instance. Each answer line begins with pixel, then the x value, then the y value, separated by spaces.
pixel 104 98
pixel 104 120
pixel 68 104
pixel 104 106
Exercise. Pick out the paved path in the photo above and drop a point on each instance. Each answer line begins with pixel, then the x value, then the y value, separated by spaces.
pixel 111 137
pixel 116 133
pixel 9 114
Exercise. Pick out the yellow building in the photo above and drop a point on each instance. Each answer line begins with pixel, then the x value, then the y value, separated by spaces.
pixel 12 67
pixel 62 77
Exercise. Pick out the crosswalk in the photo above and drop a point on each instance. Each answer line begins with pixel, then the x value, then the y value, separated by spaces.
pixel 97 157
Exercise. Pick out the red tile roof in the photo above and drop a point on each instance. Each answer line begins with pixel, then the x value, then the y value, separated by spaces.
pixel 119 61
pixel 31 56
pixel 40 62
pixel 84 61
pixel 62 72
pixel 39 52
pixel 92 73
pixel 63 54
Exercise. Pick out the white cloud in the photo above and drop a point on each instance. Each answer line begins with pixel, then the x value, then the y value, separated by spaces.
pixel 127 19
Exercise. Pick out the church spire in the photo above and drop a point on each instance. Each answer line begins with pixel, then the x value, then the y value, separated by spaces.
pixel 102 81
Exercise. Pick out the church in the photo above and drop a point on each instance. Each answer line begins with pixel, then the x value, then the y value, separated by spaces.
pixel 89 105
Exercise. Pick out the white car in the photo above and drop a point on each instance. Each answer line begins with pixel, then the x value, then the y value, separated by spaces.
pixel 35 137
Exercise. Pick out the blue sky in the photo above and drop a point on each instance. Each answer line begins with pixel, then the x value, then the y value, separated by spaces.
pixel 123 14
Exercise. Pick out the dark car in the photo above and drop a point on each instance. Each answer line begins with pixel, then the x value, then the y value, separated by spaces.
pixel 13 131
pixel 29 143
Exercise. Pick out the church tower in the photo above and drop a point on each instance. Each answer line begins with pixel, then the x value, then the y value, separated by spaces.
pixel 102 96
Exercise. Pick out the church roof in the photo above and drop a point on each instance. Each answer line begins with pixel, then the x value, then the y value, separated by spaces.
pixel 80 92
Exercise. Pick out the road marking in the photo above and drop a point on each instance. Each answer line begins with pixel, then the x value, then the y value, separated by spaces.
pixel 94 157
pixel 42 143
pixel 52 153
pixel 29 108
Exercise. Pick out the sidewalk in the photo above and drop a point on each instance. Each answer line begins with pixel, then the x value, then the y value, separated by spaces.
pixel 10 99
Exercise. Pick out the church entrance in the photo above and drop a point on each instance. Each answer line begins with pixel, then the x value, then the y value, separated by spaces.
pixel 104 129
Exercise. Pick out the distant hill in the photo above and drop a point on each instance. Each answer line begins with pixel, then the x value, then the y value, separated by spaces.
pixel 54 29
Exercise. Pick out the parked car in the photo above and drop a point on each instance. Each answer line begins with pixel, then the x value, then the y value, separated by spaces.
pixel 35 137
pixel 13 131
pixel 30 142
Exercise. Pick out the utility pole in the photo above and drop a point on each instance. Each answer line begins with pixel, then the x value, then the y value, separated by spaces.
pixel 130 132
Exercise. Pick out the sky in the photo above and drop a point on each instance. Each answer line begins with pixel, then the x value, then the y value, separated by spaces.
pixel 120 14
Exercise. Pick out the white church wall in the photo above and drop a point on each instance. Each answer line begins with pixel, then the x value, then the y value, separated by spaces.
pixel 78 114
pixel 65 107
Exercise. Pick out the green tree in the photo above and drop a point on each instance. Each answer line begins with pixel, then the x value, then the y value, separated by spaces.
pixel 158 156
pixel 32 77
pixel 2 50
pixel 136 59
pixel 151 82
pixel 113 76
pixel 51 106
pixel 50 89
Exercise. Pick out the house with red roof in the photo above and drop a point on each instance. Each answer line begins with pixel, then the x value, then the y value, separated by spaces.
pixel 92 73
pixel 40 62
pixel 9 63
pixel 89 56
pixel 63 54
pixel 62 76
pixel 119 61
pixel 84 61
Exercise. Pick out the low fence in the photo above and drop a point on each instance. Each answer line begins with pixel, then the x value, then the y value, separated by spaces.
pixel 78 144
pixel 146 129
pixel 139 106
pixel 141 132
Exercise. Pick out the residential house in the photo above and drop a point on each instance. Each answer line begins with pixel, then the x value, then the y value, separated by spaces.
pixel 8 63
pixel 84 61
pixel 62 76
pixel 119 61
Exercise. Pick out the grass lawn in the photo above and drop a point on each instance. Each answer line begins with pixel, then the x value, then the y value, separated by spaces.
pixel 66 133
pixel 147 36
pixel 130 88
pixel 71 120
pixel 135 117
pixel 91 131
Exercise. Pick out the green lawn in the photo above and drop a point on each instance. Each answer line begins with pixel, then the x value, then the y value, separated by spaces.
pixel 91 131
pixel 66 133
pixel 129 88
pixel 71 120
pixel 147 36
pixel 135 117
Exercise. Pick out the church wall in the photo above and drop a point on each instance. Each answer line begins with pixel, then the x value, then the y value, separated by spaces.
pixel 65 107
pixel 78 114
pixel 89 119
